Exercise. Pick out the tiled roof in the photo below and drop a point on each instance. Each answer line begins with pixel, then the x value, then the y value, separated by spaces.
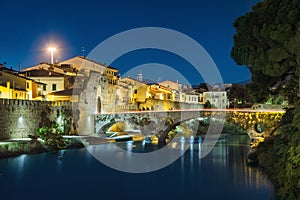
pixel 42 73
pixel 67 92
pixel 82 58
pixel 96 62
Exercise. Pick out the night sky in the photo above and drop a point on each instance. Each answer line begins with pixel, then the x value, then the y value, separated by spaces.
pixel 28 28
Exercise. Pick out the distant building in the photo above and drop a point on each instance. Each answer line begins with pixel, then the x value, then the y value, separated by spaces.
pixel 137 89
pixel 191 98
pixel 217 99
pixel 172 85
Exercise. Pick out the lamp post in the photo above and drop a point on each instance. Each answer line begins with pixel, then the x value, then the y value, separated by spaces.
pixel 51 49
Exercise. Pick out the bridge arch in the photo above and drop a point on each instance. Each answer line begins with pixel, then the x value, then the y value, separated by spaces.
pixel 256 123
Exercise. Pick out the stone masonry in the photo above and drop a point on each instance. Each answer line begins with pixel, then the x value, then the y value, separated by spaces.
pixel 20 118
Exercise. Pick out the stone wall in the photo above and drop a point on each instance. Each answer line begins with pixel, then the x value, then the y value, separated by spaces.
pixel 20 118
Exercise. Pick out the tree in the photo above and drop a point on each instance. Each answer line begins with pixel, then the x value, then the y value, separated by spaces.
pixel 267 41
pixel 52 137
pixel 238 94
pixel 207 104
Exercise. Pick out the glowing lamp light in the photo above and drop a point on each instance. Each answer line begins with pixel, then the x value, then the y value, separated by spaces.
pixel 52 49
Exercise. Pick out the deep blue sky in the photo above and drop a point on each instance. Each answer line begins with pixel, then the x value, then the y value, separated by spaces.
pixel 29 27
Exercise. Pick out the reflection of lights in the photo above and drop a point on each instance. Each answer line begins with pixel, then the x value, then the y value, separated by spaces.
pixel 60 157
pixel 199 149
pixel 174 145
pixel 192 156
pixel 191 139
pixel 182 140
pixel 21 162
pixel 129 146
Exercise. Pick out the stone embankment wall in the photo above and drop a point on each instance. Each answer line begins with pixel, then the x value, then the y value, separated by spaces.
pixel 20 118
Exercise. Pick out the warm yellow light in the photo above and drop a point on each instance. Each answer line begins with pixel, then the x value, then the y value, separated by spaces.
pixel 51 49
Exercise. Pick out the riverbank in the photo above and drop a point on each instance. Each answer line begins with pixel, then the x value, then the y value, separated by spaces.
pixel 279 157
pixel 17 147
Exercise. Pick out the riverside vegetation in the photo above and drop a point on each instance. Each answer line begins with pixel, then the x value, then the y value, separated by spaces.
pixel 267 42
pixel 279 156
pixel 46 139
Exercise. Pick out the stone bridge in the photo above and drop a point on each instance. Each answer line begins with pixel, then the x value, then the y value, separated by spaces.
pixel 257 123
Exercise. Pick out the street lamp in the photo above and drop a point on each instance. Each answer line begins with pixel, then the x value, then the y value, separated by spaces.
pixel 51 49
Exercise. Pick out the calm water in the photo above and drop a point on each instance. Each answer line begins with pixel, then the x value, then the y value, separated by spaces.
pixel 75 174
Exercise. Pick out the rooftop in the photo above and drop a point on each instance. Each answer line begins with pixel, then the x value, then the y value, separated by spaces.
pixel 41 73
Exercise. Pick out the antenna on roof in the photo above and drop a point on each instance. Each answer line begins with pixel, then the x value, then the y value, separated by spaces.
pixel 83 51
pixel 159 79
pixel 140 76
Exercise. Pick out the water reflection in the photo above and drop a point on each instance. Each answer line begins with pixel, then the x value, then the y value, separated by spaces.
pixel 223 173
pixel 60 156
pixel 18 165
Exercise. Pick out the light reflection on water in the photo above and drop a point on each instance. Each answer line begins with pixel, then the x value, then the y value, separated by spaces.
pixel 222 174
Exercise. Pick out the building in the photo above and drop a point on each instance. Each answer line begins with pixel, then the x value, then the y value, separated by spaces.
pixel 8 92
pixel 136 88
pixel 64 95
pixel 191 98
pixel 218 99
pixel 172 85
pixel 53 81
pixel 46 67
pixel 60 78
pixel 14 86
pixel 83 66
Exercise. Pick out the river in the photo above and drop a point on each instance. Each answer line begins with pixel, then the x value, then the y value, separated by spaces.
pixel 76 174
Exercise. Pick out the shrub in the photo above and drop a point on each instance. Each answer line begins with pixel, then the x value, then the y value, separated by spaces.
pixel 52 137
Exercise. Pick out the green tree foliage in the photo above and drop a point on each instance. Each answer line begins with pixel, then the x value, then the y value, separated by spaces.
pixel 238 94
pixel 279 156
pixel 207 104
pixel 52 137
pixel 267 41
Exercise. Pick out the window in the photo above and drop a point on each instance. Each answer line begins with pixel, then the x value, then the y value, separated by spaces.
pixel 16 95
pixel 53 87
pixel 44 87
pixel 27 85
